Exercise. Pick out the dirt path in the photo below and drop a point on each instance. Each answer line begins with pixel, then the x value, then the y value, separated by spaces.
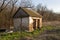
pixel 49 35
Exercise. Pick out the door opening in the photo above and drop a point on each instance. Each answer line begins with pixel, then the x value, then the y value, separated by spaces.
pixel 34 24
pixel 38 23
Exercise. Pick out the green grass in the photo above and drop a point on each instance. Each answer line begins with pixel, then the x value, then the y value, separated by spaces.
pixel 17 35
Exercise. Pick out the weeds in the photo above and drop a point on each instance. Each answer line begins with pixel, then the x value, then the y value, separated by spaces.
pixel 23 34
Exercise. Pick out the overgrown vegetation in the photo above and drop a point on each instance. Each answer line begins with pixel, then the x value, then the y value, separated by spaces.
pixel 23 34
pixel 8 9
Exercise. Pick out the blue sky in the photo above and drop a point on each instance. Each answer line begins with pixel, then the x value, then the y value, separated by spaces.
pixel 51 4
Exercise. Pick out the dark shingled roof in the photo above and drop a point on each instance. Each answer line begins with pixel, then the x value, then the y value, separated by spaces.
pixel 30 12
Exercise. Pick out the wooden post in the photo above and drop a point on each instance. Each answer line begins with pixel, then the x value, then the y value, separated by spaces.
pixel 21 24
pixel 21 27
pixel 40 22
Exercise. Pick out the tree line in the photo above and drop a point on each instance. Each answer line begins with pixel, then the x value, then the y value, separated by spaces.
pixel 47 15
pixel 8 7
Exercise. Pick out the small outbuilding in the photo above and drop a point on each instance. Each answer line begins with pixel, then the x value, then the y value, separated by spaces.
pixel 26 19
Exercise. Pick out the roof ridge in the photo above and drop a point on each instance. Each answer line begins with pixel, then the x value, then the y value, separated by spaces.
pixel 31 11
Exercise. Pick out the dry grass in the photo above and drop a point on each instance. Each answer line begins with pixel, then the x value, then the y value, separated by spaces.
pixel 52 23
pixel 53 34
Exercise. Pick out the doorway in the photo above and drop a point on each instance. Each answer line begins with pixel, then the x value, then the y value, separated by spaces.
pixel 38 24
pixel 34 24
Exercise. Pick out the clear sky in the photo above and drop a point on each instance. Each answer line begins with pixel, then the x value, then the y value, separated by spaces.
pixel 51 4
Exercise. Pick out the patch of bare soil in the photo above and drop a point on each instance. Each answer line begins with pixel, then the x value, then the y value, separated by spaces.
pixel 49 35
pixel 26 38
pixel 46 35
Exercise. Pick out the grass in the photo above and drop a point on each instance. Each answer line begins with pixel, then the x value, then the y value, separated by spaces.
pixel 23 34
pixel 12 36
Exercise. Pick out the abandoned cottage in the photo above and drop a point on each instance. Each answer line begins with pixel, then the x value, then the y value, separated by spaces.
pixel 27 19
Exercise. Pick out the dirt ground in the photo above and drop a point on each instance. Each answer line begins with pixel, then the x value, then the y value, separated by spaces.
pixel 50 34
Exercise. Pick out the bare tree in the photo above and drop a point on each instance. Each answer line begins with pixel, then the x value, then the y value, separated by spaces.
pixel 7 8
pixel 41 9
pixel 4 5
pixel 13 2
pixel 26 3
pixel 44 11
